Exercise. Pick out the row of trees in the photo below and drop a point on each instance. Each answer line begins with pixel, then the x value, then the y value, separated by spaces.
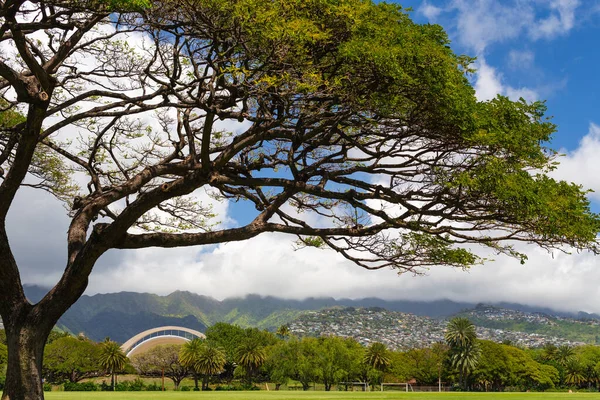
pixel 243 357
pixel 485 365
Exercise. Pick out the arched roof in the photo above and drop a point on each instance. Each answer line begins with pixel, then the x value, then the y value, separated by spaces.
pixel 161 335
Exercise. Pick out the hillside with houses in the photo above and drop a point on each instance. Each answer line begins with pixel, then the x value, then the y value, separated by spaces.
pixel 400 330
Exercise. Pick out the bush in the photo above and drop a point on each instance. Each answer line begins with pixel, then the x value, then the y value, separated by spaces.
pixel 2 380
pixel 228 387
pixel 47 387
pixel 154 387
pixel 130 386
pixel 80 387
pixel 244 386
pixel 185 388
pixel 137 385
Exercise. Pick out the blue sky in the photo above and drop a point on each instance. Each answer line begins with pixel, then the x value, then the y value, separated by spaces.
pixel 551 47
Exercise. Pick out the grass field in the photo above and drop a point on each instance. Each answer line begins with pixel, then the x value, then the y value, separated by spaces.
pixel 289 395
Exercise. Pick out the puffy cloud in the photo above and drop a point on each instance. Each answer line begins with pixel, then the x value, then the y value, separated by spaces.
pixel 560 21
pixel 430 11
pixel 489 83
pixel 581 164
pixel 268 265
pixel 480 23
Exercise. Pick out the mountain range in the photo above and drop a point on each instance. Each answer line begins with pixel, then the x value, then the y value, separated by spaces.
pixel 124 314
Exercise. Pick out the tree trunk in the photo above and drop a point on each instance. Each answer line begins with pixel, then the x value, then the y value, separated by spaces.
pixel 196 381
pixel 24 372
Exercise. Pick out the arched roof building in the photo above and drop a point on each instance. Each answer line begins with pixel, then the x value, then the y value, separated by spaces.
pixel 146 340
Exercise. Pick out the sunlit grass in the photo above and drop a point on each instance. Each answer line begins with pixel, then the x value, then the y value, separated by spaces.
pixel 293 395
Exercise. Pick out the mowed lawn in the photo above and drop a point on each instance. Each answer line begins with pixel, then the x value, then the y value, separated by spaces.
pixel 289 395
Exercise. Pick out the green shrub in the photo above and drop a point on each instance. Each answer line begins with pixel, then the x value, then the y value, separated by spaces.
pixel 80 387
pixel 185 388
pixel 244 386
pixel 130 386
pixel 228 387
pixel 154 387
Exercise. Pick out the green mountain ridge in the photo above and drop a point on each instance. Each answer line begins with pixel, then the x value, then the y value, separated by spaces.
pixel 122 315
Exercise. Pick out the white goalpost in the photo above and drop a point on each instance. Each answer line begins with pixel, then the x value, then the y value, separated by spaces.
pixel 402 386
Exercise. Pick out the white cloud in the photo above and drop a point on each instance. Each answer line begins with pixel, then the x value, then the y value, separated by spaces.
pixel 480 23
pixel 430 11
pixel 560 21
pixel 521 59
pixel 268 265
pixel 483 22
pixel 521 92
pixel 489 83
pixel 581 165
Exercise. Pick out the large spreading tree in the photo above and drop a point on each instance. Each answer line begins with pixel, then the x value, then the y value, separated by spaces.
pixel 341 122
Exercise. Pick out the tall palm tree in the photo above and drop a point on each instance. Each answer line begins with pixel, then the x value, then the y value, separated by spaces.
pixel 460 332
pixel 251 356
pixel 188 356
pixel 112 358
pixel 461 336
pixel 377 356
pixel 210 361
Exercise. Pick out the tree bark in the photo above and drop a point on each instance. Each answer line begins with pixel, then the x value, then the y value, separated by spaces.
pixel 24 373
pixel 196 381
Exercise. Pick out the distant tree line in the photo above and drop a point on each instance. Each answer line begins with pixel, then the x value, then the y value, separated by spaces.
pixel 233 358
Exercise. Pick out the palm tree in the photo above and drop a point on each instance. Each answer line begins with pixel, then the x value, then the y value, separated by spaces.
pixel 549 352
pixel 465 359
pixel 574 375
pixel 564 354
pixel 283 331
pixel 210 361
pixel 251 356
pixel 460 332
pixel 377 356
pixel 461 336
pixel 188 356
pixel 112 358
